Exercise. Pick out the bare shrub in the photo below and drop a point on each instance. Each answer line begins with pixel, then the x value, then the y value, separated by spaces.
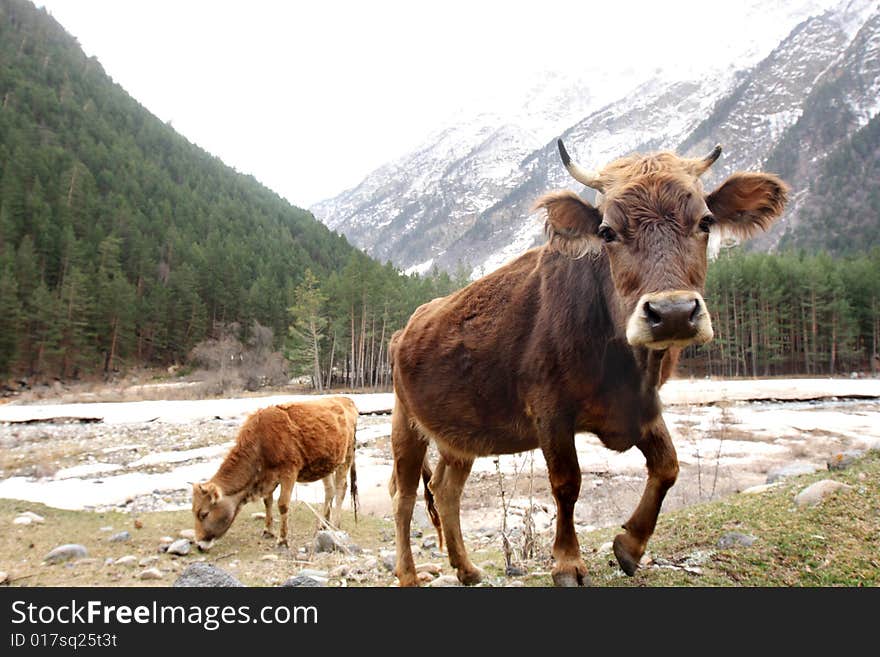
pixel 228 364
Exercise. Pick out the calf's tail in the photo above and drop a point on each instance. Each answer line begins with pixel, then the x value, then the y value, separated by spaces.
pixel 353 486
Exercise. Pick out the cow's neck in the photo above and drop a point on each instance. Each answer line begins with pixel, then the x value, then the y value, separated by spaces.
pixel 238 473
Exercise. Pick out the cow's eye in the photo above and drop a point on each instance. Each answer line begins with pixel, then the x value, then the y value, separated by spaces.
pixel 606 233
pixel 203 515
pixel 706 223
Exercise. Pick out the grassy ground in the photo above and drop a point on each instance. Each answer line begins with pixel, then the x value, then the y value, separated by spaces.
pixel 834 544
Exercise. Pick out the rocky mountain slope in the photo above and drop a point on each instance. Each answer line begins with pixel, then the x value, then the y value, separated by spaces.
pixel 785 99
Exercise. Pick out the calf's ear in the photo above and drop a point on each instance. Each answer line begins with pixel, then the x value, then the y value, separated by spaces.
pixel 210 490
pixel 570 224
pixel 747 203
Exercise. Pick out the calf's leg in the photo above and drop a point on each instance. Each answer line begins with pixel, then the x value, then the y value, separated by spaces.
pixel 340 486
pixel 287 482
pixel 329 491
pixel 662 463
pixel 267 502
pixel 447 484
pixel 408 448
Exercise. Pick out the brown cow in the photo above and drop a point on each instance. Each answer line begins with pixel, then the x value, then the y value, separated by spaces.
pixel 575 335
pixel 283 444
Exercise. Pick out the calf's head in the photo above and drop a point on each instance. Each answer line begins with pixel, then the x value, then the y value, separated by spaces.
pixel 653 222
pixel 213 513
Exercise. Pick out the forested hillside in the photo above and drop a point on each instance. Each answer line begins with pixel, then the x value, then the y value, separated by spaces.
pixel 121 243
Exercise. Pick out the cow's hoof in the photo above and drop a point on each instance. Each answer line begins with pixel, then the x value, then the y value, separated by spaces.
pixel 626 551
pixel 268 534
pixel 572 576
pixel 470 576
pixel 282 543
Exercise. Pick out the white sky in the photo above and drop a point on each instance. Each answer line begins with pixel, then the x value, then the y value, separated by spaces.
pixel 310 96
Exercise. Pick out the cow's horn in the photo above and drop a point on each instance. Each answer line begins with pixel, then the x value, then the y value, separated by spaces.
pixel 701 166
pixel 588 178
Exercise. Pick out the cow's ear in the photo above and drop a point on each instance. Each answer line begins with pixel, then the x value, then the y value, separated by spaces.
pixel 571 223
pixel 212 491
pixel 747 203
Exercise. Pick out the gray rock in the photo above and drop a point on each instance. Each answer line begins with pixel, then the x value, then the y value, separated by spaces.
pixel 151 573
pixel 387 559
pixel 736 539
pixel 515 571
pixel 66 552
pixel 302 580
pixel 420 517
pixel 816 493
pixel 790 470
pixel 205 574
pixel 429 542
pixel 148 561
pixel 189 534
pixel 179 547
pixel 121 537
pixel 311 572
pixel 340 571
pixel 445 581
pixel 34 517
pixel 127 560
pixel 332 541
pixel 843 460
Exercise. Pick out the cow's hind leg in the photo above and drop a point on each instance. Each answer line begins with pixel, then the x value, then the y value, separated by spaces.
pixel 340 485
pixel 662 464
pixel 267 502
pixel 329 492
pixel 447 484
pixel 287 482
pixel 408 448
pixel 565 481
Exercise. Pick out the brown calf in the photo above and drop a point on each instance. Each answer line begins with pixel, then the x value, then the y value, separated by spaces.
pixel 573 336
pixel 300 441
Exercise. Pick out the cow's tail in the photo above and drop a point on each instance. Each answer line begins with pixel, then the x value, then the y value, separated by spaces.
pixel 429 502
pixel 353 478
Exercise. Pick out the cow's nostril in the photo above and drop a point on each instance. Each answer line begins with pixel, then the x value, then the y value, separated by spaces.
pixel 652 315
pixel 695 313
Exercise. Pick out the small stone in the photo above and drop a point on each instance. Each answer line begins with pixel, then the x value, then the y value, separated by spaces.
pixel 205 574
pixel 736 539
pixel 424 578
pixel 4 577
pixel 166 540
pixel 432 568
pixel 514 571
pixel 179 547
pixel 269 557
pixel 429 542
pixel 843 460
pixel 415 533
pixel 127 560
pixel 371 564
pixel 151 573
pixel 332 541
pixel 790 470
pixel 816 493
pixel 387 559
pixel 66 552
pixel 316 574
pixel 606 547
pixel 302 580
pixel 120 537
pixel 35 517
pixel 340 571
pixel 515 583
pixel 22 520
pixel 148 561
pixel 189 534
pixel 258 515
pixel 105 529
pixel 760 488
pixel 445 581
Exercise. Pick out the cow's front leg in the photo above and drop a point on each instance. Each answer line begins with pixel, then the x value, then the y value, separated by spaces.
pixel 662 463
pixel 565 480
pixel 267 502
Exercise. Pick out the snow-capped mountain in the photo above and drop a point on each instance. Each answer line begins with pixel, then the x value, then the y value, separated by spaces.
pixel 464 196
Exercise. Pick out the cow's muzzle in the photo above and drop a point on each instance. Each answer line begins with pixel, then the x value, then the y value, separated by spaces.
pixel 669 319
